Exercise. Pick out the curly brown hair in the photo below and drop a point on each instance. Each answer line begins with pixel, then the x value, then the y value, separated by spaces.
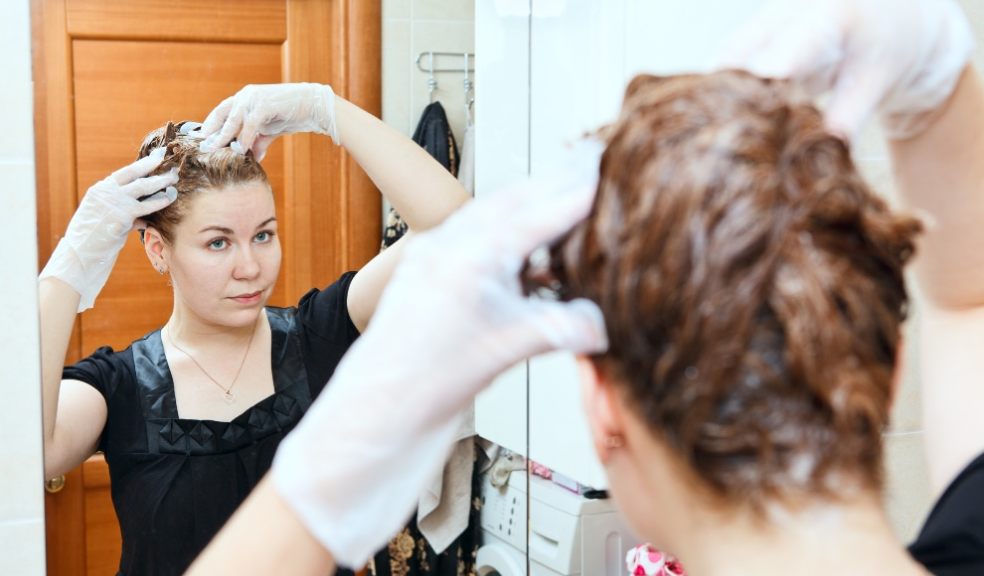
pixel 197 171
pixel 751 284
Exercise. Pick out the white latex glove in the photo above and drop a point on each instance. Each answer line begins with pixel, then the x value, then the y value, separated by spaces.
pixel 900 59
pixel 97 232
pixel 452 318
pixel 259 113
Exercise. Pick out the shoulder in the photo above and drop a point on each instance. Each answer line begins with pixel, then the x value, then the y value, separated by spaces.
pixel 324 312
pixel 105 368
pixel 952 539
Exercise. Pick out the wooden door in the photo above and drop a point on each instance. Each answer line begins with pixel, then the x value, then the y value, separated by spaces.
pixel 106 73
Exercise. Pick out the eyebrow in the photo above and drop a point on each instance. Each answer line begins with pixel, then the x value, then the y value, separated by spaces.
pixel 225 230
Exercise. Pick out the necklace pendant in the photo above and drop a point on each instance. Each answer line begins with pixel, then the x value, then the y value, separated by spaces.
pixel 228 397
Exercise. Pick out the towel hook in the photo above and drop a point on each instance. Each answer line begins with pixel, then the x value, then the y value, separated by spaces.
pixel 431 81
pixel 469 88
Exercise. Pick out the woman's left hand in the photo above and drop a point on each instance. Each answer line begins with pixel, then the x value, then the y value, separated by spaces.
pixel 259 113
pixel 452 318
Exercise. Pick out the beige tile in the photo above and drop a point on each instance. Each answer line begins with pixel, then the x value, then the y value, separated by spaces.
pixel 877 172
pixel 907 404
pixel 870 144
pixel 907 497
pixel 397 66
pixel 396 9
pixel 444 10
pixel 22 548
pixel 974 9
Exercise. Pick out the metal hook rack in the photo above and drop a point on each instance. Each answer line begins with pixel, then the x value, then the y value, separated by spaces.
pixel 467 57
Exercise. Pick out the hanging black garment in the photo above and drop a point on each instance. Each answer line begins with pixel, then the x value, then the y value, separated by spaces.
pixel 433 134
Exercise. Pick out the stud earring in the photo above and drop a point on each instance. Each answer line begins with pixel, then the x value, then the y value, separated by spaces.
pixel 614 441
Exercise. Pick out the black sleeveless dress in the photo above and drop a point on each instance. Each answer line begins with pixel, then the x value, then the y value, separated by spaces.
pixel 175 481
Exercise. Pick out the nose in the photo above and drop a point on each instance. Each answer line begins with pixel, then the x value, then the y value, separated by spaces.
pixel 247 266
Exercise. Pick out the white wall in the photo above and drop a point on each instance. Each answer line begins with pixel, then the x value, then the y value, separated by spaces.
pixel 21 479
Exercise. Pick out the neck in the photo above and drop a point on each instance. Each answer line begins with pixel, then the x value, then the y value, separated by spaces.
pixel 846 537
pixel 191 330
pixel 843 538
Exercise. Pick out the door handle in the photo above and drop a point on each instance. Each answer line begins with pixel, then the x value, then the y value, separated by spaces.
pixel 55 485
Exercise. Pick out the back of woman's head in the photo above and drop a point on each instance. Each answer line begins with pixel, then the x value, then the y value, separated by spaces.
pixel 751 284
pixel 197 171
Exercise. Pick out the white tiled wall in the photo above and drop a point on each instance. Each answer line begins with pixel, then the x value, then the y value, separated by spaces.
pixel 21 489
pixel 409 28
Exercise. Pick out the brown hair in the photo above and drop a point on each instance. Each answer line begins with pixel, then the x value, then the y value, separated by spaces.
pixel 751 284
pixel 197 171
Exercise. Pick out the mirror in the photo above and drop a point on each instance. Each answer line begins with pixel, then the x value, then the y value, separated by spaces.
pixel 529 74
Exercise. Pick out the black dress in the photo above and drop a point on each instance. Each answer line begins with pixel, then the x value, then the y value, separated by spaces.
pixel 951 542
pixel 175 481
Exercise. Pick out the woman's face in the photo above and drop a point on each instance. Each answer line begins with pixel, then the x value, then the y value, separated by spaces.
pixel 225 255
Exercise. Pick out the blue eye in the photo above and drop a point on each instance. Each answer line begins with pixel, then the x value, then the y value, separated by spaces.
pixel 263 237
pixel 217 244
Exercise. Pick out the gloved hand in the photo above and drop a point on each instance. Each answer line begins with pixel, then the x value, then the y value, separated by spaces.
pixel 259 113
pixel 452 318
pixel 97 232
pixel 901 60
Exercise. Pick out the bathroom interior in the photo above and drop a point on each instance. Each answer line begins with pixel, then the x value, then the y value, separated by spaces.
pixel 517 79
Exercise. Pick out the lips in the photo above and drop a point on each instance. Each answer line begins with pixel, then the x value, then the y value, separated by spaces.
pixel 248 298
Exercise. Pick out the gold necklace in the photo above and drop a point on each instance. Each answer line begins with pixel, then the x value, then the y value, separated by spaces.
pixel 226 392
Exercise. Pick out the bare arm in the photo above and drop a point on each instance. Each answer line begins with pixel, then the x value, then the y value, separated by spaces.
pixel 74 412
pixel 264 536
pixel 941 172
pixel 421 190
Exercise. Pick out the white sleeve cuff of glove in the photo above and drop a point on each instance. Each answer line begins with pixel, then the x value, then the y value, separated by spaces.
pixel 326 107
pixel 355 492
pixel 924 97
pixel 66 266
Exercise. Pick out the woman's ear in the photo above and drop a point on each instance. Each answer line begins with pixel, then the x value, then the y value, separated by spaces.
pixel 156 249
pixel 603 409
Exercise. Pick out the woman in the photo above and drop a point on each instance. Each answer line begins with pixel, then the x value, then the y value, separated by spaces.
pixel 190 415
pixel 740 419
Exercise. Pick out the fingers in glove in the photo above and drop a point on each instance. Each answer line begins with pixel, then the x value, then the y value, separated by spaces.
pixel 260 146
pixel 230 128
pixel 139 169
pixel 157 201
pixel 145 187
pixel 217 117
pixel 855 97
pixel 576 326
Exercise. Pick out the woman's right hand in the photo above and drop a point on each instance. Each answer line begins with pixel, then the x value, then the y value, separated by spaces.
pixel 259 113
pixel 97 232
pixel 900 60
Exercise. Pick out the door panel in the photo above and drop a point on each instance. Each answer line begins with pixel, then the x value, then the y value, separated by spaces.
pixel 122 91
pixel 106 73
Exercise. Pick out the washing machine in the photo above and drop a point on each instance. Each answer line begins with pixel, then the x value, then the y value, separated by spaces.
pixel 569 535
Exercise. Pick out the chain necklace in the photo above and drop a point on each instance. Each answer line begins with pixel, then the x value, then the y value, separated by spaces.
pixel 226 392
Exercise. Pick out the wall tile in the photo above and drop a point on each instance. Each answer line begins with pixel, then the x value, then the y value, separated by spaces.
pixel 444 10
pixel 396 9
pixel 22 548
pixel 397 64
pixel 907 496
